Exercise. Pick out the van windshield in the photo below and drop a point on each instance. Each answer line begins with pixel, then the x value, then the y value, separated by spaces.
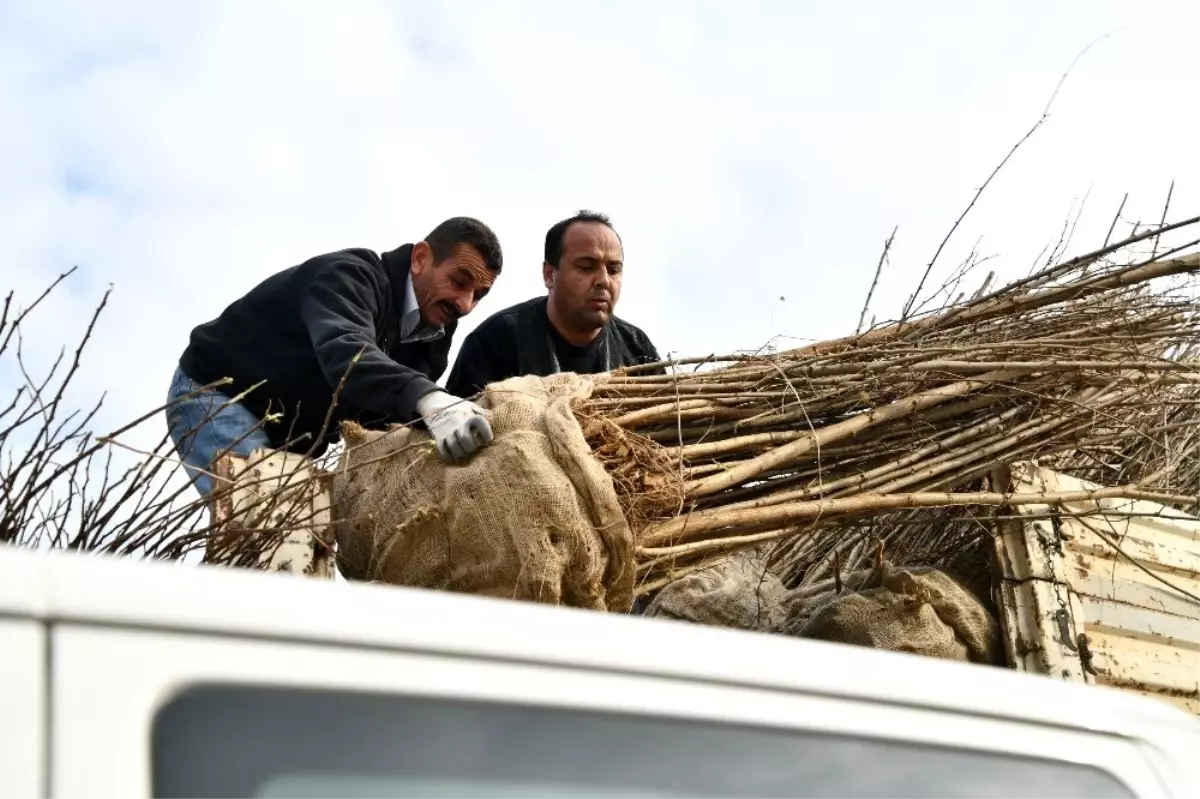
pixel 248 741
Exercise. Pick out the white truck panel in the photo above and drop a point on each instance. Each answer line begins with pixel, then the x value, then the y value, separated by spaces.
pixel 162 679
pixel 22 708
pixel 282 607
pixel 100 736
pixel 1139 607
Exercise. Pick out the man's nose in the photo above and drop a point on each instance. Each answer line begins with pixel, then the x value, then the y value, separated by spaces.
pixel 465 302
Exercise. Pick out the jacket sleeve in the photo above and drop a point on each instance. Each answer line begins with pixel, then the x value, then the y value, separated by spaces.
pixel 485 357
pixel 339 308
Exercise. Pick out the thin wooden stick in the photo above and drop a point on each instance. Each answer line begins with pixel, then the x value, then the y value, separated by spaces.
pixel 793 513
pixel 841 430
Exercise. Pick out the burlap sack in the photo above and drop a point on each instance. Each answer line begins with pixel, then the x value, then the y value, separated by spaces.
pixel 533 516
pixel 919 610
pixel 801 603
pixel 737 592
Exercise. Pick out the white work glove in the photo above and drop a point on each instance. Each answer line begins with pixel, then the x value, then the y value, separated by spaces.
pixel 458 426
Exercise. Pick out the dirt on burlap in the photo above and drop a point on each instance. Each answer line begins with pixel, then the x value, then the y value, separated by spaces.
pixel 919 610
pixel 533 516
pixel 739 591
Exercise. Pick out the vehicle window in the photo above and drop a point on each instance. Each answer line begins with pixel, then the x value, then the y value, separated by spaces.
pixel 249 741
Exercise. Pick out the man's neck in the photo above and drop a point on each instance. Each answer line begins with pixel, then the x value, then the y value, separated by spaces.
pixel 577 338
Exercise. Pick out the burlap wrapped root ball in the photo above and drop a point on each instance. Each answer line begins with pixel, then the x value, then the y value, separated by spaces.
pixel 533 516
pixel 919 610
pixel 802 603
pixel 739 592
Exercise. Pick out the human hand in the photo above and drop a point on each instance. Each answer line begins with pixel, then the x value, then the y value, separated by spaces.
pixel 459 427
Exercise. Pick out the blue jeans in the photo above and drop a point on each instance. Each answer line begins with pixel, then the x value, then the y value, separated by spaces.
pixel 206 425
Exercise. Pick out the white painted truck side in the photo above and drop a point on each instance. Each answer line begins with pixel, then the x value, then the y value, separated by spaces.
pixel 146 679
pixel 1109 597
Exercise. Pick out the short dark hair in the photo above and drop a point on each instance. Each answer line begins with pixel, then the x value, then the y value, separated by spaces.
pixel 556 234
pixel 447 236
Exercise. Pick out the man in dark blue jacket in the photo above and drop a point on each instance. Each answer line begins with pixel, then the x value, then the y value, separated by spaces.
pixel 572 328
pixel 348 335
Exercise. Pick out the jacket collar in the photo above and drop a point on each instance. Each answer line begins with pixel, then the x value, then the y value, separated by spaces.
pixel 396 264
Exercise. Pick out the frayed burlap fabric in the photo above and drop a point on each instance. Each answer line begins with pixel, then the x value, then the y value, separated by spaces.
pixel 533 516
pixel 919 610
pixel 739 592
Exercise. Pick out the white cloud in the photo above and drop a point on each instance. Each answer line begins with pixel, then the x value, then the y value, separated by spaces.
pixel 746 152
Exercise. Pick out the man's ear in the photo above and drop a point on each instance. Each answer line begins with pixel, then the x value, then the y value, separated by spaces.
pixel 422 258
pixel 548 275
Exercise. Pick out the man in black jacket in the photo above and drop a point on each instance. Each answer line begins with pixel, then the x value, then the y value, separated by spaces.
pixel 572 328
pixel 345 335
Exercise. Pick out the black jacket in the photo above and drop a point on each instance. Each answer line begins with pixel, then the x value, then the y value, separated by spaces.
pixel 300 329
pixel 520 340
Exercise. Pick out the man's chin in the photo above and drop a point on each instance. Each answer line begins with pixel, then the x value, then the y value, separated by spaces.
pixel 598 318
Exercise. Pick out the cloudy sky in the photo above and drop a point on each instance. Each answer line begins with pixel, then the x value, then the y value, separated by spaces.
pixel 754 156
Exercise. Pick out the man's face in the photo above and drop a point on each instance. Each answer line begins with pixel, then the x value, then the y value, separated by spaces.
pixel 587 283
pixel 450 289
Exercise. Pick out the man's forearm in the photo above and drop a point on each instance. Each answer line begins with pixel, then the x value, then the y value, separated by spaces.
pixel 369 379
pixel 340 311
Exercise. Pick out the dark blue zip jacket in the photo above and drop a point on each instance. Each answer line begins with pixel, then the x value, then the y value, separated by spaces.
pixel 300 329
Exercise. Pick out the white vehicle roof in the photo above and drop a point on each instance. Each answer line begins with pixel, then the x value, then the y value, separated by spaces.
pixel 71 587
